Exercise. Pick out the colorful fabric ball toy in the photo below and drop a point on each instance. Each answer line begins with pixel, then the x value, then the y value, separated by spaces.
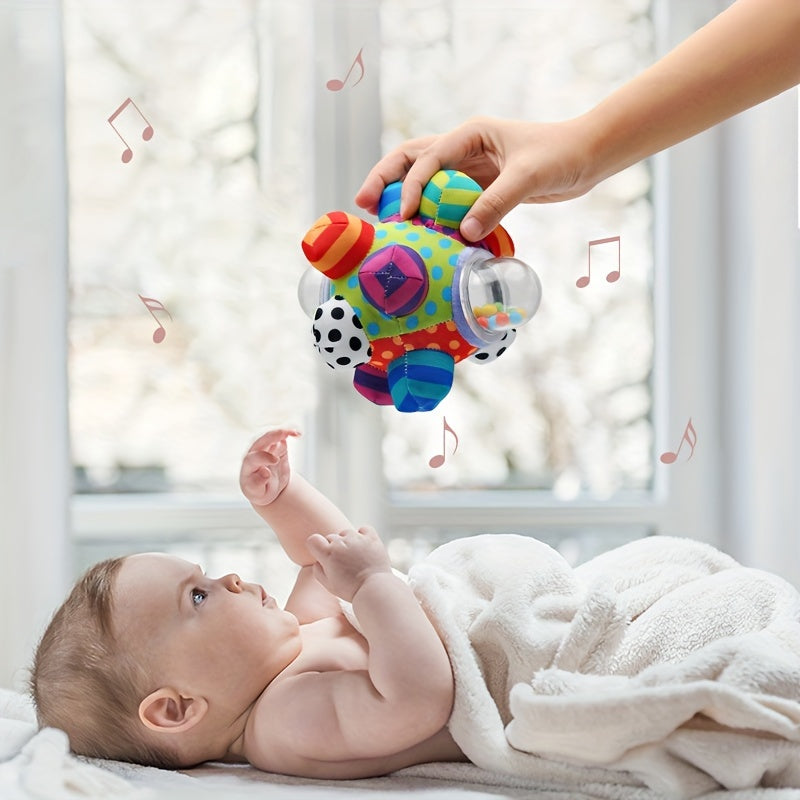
pixel 402 301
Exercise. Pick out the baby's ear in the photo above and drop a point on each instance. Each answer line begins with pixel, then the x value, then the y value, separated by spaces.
pixel 168 711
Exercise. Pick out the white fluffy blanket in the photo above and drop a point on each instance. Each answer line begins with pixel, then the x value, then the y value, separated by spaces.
pixel 662 663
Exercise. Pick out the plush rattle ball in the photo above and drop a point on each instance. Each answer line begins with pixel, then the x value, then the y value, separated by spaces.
pixel 401 302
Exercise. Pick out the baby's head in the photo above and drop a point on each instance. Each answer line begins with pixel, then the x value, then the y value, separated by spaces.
pixel 149 660
pixel 85 683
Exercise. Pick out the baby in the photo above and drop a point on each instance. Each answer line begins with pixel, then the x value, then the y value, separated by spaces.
pixel 149 660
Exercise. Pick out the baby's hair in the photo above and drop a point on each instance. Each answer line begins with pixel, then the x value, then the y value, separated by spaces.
pixel 83 681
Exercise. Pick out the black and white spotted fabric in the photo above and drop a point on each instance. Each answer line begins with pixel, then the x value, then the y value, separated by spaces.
pixel 339 336
pixel 492 352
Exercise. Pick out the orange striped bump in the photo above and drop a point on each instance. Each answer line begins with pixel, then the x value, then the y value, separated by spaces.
pixel 337 243
pixel 499 242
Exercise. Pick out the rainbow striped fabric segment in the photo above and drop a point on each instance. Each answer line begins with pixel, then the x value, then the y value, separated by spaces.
pixel 447 197
pixel 419 380
pixel 337 242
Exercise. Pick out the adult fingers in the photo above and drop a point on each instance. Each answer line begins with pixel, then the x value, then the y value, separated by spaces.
pixel 389 169
pixel 449 150
pixel 392 167
pixel 504 193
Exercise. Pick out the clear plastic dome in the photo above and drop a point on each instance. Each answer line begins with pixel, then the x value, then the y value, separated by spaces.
pixel 497 294
pixel 313 290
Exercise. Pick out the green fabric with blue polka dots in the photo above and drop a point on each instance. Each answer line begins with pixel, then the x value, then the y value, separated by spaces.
pixel 440 254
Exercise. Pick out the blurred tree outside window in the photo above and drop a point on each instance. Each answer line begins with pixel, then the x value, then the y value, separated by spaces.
pixel 204 220
pixel 206 217
pixel 568 407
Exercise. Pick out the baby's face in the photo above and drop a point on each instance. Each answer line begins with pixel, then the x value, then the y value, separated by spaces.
pixel 199 634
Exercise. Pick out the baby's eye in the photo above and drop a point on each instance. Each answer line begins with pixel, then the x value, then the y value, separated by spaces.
pixel 198 595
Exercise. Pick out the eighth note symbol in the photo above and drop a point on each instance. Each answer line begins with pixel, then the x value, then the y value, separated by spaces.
pixel 147 133
pixel 335 85
pixel 669 457
pixel 438 460
pixel 612 276
pixel 149 303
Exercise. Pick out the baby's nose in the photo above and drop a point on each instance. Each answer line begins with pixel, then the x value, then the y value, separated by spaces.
pixel 232 582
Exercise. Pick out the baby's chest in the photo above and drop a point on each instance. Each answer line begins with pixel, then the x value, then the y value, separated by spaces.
pixel 333 644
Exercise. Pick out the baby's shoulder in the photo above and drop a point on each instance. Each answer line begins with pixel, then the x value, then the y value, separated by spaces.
pixel 291 712
pixel 272 723
pixel 331 649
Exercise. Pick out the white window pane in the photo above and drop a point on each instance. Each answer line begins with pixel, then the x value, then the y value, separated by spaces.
pixel 205 218
pixel 568 407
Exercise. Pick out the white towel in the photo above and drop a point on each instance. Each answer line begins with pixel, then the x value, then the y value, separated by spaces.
pixel 44 770
pixel 662 663
pixel 17 723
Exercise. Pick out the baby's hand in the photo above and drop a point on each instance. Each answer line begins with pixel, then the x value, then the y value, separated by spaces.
pixel 265 468
pixel 346 559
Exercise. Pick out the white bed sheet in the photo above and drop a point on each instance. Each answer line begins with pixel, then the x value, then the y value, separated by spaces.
pixel 35 765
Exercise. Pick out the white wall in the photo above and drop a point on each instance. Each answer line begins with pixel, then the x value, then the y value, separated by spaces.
pixel 760 290
pixel 33 297
pixel 732 328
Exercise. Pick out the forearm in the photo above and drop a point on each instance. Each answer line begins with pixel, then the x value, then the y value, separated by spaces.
pixel 297 512
pixel 407 659
pixel 747 54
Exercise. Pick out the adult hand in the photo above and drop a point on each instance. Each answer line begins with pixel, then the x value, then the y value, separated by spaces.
pixel 514 161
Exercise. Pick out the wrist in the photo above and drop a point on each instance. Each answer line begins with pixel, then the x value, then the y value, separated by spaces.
pixel 601 144
pixel 272 501
pixel 375 582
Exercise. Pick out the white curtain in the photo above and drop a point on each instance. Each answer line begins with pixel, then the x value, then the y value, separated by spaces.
pixel 34 459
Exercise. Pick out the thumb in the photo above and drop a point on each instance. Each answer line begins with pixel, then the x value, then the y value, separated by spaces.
pixel 318 545
pixel 503 194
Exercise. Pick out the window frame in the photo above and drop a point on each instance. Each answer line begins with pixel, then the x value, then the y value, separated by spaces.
pixel 343 439
pixel 683 500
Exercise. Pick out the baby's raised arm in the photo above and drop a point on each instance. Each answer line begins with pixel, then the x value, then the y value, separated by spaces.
pixel 290 505
pixel 404 649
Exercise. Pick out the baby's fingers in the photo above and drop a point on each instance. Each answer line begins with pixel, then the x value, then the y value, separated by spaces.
pixel 255 470
pixel 318 546
pixel 255 461
pixel 273 437
pixel 255 478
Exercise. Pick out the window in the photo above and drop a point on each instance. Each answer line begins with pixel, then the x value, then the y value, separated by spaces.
pixel 184 246
pixel 564 433
pixel 568 409
pixel 196 237
pixel 189 194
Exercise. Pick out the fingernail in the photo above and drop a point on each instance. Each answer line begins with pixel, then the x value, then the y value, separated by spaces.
pixel 471 229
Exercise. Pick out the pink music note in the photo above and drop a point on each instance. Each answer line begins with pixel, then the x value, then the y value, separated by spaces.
pixel 438 460
pixel 612 276
pixel 147 133
pixel 335 85
pixel 690 436
pixel 150 304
